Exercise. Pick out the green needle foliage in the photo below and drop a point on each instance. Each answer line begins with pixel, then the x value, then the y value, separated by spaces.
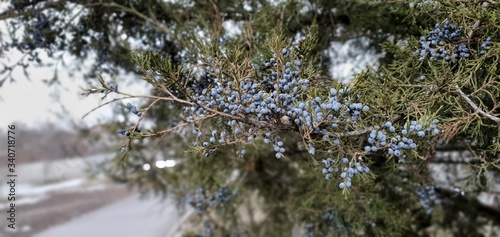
pixel 266 142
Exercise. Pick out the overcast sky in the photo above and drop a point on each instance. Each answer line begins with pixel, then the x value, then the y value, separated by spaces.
pixel 31 102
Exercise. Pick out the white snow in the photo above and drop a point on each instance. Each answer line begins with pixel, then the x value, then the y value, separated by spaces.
pixel 30 194
pixel 32 190
pixel 25 201
pixel 348 59
pixel 130 217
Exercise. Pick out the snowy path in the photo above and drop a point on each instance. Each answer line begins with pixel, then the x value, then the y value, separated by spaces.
pixel 132 217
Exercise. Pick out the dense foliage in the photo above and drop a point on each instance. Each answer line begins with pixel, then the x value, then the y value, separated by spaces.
pixel 275 146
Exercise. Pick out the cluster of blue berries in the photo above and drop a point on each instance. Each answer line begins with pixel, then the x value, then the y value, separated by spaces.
pixel 282 98
pixel 200 204
pixel 276 96
pixel 461 52
pixel 221 196
pixel 112 87
pixel 312 149
pixel 278 145
pixel 209 152
pixel 322 116
pixel 400 140
pixel 134 110
pixel 208 229
pixel 435 44
pixel 212 140
pixel 428 198
pixel 124 132
pixel 334 225
pixel 378 139
pixel 329 168
pixel 307 115
pixel 458 190
pixel 202 199
pixel 349 170
pixel 485 46
pixel 197 86
pixel 309 230
pixel 276 99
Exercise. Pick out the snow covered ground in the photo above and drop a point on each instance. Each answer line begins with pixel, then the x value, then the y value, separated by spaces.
pixel 76 204
pixel 92 207
pixel 130 217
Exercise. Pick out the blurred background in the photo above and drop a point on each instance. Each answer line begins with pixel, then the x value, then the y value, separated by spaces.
pixel 61 188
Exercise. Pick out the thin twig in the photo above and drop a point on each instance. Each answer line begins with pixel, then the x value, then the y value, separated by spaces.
pixel 165 132
pixel 144 113
pixel 109 102
pixel 128 96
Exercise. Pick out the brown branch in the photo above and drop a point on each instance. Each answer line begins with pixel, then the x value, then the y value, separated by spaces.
pixel 475 107
pixel 143 113
pixel 129 96
pixel 167 131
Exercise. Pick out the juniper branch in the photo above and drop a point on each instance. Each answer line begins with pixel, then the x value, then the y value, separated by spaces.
pixel 475 107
